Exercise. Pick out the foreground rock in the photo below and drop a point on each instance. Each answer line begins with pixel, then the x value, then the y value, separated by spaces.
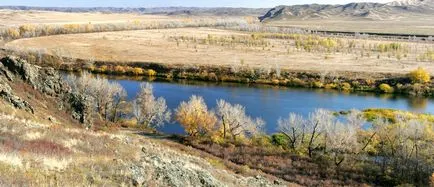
pixel 86 158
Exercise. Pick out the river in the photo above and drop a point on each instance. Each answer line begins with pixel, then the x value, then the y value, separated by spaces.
pixel 269 102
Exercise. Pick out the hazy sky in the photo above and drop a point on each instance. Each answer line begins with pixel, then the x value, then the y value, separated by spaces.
pixel 166 3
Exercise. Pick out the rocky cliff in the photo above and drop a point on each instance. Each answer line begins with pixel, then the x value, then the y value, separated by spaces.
pixel 45 80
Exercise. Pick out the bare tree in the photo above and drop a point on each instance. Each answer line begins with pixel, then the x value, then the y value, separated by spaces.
pixel 316 125
pixel 294 128
pixel 148 110
pixel 105 96
pixel 235 122
pixel 341 141
pixel 195 117
pixel 355 118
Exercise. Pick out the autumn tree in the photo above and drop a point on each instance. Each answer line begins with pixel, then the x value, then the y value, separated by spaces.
pixel 419 75
pixel 235 122
pixel 195 117
pixel 148 110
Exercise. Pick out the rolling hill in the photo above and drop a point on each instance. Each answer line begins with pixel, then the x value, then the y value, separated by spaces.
pixel 369 11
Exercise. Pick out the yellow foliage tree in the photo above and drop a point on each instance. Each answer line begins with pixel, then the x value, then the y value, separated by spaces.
pixel 119 69
pixel 419 75
pixel 137 71
pixel 151 72
pixel 386 88
pixel 195 117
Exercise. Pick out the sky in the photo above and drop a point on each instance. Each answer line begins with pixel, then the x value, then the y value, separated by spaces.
pixel 167 3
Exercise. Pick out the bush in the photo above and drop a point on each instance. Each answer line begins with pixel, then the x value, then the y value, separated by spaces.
pixel 419 75
pixel 151 72
pixel 330 86
pixel 119 70
pixel 262 140
pixel 346 86
pixel 138 71
pixel 280 139
pixel 318 84
pixel 386 88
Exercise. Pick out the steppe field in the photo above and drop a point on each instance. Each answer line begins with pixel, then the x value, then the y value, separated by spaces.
pixel 209 46
pixel 216 46
pixel 21 17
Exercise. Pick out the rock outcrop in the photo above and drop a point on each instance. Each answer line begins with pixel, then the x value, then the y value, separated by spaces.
pixel 43 79
pixel 7 94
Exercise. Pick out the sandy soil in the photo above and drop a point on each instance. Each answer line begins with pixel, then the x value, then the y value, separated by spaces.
pixel 156 46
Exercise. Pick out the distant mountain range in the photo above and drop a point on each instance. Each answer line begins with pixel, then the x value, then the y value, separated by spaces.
pixel 372 11
pixel 219 11
pixel 368 11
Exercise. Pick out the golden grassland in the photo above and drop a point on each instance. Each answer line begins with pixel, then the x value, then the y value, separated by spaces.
pixel 209 46
pixel 18 17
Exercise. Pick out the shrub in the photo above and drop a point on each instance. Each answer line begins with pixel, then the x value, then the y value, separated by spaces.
pixel 419 75
pixel 262 140
pixel 318 84
pixel 119 70
pixel 13 33
pixel 279 139
pixel 102 69
pixel 346 86
pixel 330 86
pixel 217 139
pixel 386 88
pixel 138 71
pixel 151 72
pixel 297 82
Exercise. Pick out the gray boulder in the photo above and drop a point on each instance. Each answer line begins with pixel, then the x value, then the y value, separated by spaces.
pixel 7 94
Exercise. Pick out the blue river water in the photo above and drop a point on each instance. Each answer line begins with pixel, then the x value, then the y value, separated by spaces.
pixel 269 102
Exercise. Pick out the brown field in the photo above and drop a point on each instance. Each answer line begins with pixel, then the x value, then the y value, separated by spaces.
pixel 189 46
pixel 16 18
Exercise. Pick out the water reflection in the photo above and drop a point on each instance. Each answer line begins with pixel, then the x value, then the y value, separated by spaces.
pixel 418 103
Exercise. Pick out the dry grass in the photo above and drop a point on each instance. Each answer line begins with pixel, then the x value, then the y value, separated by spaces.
pixel 147 46
pixel 412 25
pixel 35 154
pixel 18 17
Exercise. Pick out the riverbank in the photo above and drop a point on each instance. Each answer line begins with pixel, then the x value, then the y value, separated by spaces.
pixel 342 81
